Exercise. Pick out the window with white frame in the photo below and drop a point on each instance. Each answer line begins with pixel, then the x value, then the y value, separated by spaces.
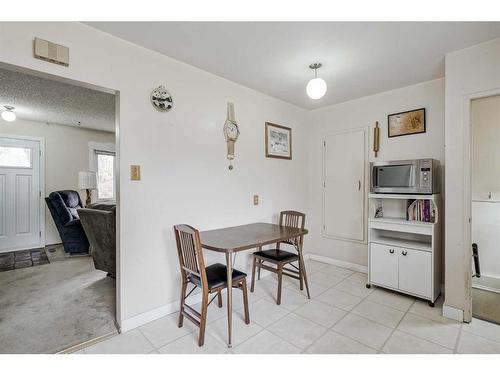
pixel 105 170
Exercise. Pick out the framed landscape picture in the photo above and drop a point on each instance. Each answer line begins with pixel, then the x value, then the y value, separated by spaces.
pixel 278 141
pixel 405 123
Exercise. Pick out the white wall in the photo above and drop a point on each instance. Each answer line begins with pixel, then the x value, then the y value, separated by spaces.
pixel 66 154
pixel 485 117
pixel 362 113
pixel 182 153
pixel 486 233
pixel 470 73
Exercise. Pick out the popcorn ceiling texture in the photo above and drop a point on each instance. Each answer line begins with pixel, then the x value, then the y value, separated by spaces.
pixel 40 99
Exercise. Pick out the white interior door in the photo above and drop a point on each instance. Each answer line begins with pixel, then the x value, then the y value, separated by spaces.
pixel 19 194
pixel 344 185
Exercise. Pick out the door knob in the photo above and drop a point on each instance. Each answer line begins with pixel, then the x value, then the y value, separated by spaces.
pixel 391 251
pixel 404 253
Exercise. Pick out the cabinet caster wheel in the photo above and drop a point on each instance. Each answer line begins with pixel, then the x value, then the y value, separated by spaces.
pixel 431 304
pixel 368 286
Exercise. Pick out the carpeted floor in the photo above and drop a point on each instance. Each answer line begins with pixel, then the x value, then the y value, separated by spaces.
pixel 486 305
pixel 51 307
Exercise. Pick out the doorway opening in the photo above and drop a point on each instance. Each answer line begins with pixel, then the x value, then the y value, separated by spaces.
pixel 485 208
pixel 59 195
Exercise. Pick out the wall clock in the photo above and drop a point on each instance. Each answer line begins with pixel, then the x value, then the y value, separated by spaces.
pixel 161 99
pixel 231 133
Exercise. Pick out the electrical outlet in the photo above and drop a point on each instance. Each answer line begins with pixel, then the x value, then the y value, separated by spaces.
pixel 255 200
pixel 135 172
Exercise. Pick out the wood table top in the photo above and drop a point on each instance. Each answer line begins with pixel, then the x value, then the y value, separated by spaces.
pixel 249 236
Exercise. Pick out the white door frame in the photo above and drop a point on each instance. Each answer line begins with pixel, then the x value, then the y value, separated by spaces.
pixel 116 93
pixel 41 142
pixel 467 167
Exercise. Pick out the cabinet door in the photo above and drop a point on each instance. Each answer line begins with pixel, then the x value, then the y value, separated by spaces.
pixel 384 265
pixel 344 165
pixel 415 269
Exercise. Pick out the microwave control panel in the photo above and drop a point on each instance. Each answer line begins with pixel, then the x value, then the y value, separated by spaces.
pixel 425 174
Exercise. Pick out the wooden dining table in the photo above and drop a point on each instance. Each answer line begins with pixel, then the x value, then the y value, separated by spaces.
pixel 245 237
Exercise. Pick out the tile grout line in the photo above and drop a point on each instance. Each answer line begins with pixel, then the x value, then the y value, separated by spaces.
pixel 423 317
pixel 396 327
pixel 459 336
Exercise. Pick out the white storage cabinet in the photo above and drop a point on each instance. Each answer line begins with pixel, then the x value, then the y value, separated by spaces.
pixel 404 255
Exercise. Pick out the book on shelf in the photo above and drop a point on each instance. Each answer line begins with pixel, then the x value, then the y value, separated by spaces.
pixel 420 210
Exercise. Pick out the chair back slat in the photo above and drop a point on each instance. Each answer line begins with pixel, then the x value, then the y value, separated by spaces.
pixel 293 219
pixel 190 252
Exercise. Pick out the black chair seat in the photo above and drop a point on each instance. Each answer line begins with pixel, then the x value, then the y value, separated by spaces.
pixel 277 255
pixel 217 276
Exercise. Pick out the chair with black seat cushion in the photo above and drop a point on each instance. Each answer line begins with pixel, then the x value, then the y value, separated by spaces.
pixel 281 258
pixel 63 206
pixel 211 279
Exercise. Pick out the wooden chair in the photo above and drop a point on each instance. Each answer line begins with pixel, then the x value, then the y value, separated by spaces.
pixel 281 258
pixel 211 279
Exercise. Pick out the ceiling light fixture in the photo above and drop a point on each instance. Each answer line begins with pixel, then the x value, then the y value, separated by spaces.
pixel 316 87
pixel 8 114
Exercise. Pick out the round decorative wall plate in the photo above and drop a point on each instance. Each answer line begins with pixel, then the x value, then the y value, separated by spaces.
pixel 161 99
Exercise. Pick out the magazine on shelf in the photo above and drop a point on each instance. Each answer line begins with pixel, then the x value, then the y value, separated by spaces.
pixel 420 210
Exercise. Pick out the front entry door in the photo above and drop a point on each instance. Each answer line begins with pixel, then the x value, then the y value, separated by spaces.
pixel 19 194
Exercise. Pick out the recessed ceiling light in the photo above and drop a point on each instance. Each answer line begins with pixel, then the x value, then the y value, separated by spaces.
pixel 316 87
pixel 8 114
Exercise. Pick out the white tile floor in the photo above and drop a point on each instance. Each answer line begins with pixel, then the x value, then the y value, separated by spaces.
pixel 342 317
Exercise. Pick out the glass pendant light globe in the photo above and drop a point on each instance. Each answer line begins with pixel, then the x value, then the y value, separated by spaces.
pixel 316 88
pixel 8 114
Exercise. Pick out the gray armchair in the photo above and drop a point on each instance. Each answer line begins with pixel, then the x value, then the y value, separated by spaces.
pixel 99 223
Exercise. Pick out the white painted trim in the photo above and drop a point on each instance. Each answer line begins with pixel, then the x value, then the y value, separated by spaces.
pixel 159 312
pixel 41 142
pixel 336 262
pixel 453 313
pixel 467 183
pixel 366 131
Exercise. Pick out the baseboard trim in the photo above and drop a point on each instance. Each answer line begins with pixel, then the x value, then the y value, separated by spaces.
pixel 336 262
pixel 453 313
pixel 159 312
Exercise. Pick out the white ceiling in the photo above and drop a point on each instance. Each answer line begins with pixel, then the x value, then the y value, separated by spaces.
pixel 359 58
pixel 44 100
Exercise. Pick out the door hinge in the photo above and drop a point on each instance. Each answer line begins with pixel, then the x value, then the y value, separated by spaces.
pixel 40 153
pixel 40 234
pixel 324 143
pixel 324 184
pixel 40 193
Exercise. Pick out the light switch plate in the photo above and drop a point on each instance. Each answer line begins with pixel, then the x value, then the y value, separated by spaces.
pixel 135 172
pixel 255 200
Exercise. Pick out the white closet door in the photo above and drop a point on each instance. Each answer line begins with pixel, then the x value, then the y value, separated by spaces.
pixel 19 194
pixel 344 185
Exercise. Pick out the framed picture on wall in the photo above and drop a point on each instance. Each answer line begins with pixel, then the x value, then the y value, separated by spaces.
pixel 406 123
pixel 278 141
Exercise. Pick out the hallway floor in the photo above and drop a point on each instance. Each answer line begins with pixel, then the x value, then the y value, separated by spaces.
pixel 342 317
pixel 48 308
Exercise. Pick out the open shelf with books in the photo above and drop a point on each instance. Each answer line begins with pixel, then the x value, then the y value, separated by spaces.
pixel 404 244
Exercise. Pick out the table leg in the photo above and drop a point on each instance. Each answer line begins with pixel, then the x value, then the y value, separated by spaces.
pixel 229 265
